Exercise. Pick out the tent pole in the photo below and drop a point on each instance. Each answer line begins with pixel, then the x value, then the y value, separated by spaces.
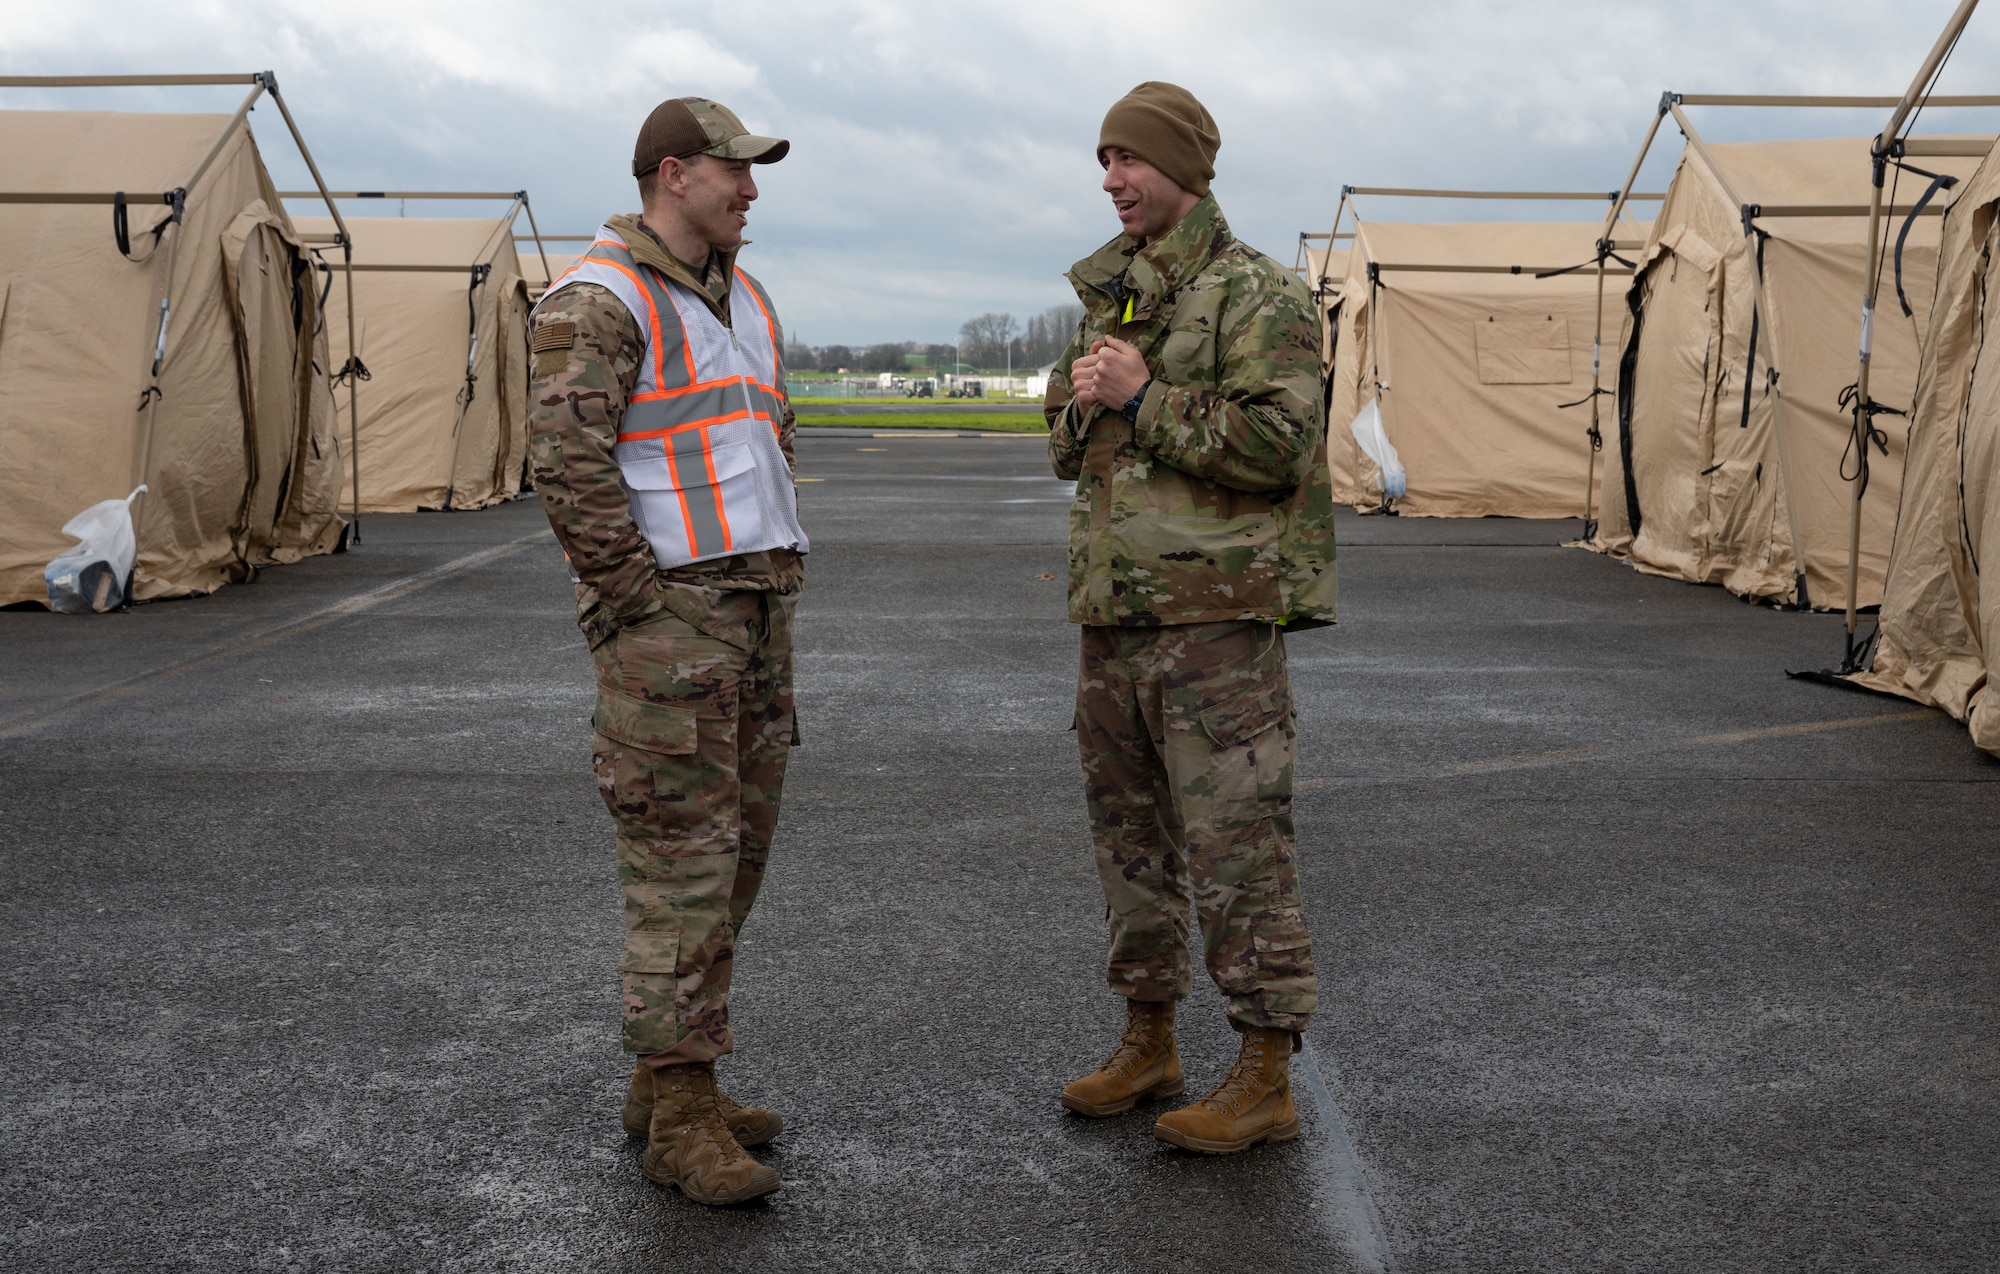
pixel 1618 202
pixel 1645 148
pixel 353 370
pixel 153 397
pixel 548 275
pixel 1927 72
pixel 1596 435
pixel 353 407
pixel 228 131
pixel 1319 293
pixel 1871 290
pixel 503 229
pixel 1339 211
pixel 1375 346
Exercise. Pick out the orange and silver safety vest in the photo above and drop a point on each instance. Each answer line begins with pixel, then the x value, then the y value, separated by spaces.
pixel 698 451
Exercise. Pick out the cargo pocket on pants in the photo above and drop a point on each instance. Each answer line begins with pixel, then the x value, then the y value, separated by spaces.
pixel 652 930
pixel 1284 962
pixel 651 727
pixel 1247 716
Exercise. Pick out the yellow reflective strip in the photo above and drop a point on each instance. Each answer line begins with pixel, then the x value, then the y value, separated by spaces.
pixel 1128 307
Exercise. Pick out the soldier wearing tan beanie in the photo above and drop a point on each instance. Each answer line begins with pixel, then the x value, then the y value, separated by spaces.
pixel 1164 125
pixel 1187 409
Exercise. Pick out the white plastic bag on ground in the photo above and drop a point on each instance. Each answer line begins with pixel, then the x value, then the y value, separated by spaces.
pixel 91 577
pixel 1367 430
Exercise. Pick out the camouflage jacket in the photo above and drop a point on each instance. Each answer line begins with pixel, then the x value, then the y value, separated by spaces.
pixel 576 402
pixel 1216 503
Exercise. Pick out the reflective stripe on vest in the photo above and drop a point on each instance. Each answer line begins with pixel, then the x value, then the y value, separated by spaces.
pixel 698 452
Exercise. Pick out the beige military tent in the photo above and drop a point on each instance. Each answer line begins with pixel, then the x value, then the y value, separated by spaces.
pixel 1481 370
pixel 1725 465
pixel 440 322
pixel 1324 270
pixel 193 360
pixel 1940 623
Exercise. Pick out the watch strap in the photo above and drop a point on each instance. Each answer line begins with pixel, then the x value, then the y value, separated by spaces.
pixel 1131 408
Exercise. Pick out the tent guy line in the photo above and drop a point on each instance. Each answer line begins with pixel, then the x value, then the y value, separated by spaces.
pixel 35 718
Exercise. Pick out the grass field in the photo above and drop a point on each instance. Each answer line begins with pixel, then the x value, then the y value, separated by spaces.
pixel 803 400
pixel 994 422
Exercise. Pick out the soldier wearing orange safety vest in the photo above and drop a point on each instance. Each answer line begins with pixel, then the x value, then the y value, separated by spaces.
pixel 662 451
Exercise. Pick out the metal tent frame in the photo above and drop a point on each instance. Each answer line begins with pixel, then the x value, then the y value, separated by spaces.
pixel 548 274
pixel 1671 106
pixel 1890 146
pixel 1606 245
pixel 480 267
pixel 260 82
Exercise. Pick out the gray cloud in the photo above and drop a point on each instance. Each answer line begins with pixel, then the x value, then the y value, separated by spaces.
pixel 941 161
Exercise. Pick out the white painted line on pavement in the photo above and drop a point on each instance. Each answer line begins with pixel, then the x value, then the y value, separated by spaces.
pixel 1346 1205
pixel 1615 751
pixel 35 718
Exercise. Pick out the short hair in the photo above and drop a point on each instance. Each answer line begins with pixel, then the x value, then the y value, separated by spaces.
pixel 649 181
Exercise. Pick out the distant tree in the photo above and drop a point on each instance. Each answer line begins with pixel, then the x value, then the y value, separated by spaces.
pixel 833 357
pixel 937 355
pixel 1048 332
pixel 984 341
pixel 883 358
pixel 800 358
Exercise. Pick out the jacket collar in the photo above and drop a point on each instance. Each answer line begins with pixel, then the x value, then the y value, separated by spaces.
pixel 1156 271
pixel 647 249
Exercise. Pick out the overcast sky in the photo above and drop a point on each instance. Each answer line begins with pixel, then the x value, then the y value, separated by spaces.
pixel 941 161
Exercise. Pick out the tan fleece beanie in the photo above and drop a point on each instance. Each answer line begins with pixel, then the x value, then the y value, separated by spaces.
pixel 1164 125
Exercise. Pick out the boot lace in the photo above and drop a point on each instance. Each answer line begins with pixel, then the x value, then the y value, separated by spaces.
pixel 705 1125
pixel 1244 1078
pixel 1133 1046
pixel 705 1107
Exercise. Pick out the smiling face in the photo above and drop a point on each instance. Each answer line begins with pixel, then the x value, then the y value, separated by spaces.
pixel 1149 203
pixel 715 197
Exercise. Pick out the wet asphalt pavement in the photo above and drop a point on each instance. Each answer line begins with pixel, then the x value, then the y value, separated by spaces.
pixel 1634 954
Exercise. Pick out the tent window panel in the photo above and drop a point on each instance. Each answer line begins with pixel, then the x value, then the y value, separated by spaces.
pixel 1522 351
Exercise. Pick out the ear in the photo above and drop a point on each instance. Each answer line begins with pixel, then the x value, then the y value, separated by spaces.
pixel 673 174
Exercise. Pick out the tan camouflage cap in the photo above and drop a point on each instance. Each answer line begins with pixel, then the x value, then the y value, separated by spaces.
pixel 684 126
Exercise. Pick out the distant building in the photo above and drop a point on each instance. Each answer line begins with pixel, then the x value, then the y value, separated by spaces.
pixel 1037 385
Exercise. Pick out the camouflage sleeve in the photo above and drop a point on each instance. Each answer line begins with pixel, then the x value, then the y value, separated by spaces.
pixel 1069 436
pixel 1258 429
pixel 587 355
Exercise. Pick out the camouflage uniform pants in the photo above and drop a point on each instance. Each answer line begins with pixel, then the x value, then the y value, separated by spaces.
pixel 692 736
pixel 1188 738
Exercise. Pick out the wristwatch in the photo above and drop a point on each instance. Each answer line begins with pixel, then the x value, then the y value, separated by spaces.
pixel 1131 408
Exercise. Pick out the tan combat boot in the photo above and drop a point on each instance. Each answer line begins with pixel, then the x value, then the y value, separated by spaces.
pixel 1146 1064
pixel 750 1125
pixel 1253 1104
pixel 688 1145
